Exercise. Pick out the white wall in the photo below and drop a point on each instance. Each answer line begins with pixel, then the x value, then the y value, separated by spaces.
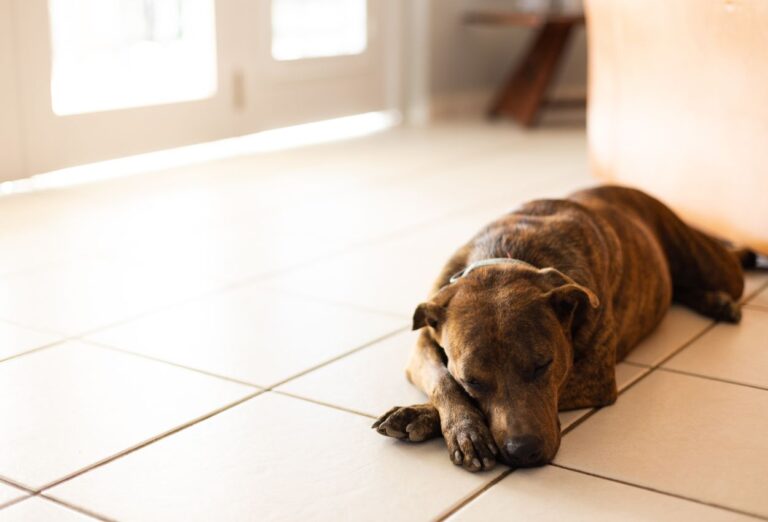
pixel 469 62
pixel 11 165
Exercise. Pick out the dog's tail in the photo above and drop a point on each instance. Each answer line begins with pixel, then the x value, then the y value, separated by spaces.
pixel 747 257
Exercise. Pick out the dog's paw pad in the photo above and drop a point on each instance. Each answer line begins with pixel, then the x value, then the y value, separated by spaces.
pixel 414 423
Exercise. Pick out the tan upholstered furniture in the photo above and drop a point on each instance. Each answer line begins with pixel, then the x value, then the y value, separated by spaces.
pixel 679 107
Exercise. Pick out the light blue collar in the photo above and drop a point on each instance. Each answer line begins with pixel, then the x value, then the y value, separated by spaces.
pixel 487 262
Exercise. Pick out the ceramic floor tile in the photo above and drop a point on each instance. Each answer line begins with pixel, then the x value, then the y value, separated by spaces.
pixel 555 494
pixel 392 276
pixel 73 405
pixel 736 353
pixel 753 282
pixel 570 417
pixel 17 339
pixel 8 493
pixel 370 381
pixel 37 509
pixel 276 458
pixel 693 437
pixel 626 374
pixel 252 334
pixel 400 207
pixel 679 326
pixel 81 295
pixel 241 225
pixel 760 299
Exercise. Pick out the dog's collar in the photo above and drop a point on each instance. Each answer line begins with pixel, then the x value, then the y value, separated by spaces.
pixel 487 262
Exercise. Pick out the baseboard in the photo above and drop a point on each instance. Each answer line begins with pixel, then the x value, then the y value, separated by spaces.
pixel 460 104
pixel 475 102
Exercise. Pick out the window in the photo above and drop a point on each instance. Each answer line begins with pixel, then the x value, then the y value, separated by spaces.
pixel 113 54
pixel 318 28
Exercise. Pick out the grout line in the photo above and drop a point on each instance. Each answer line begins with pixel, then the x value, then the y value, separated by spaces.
pixel 330 301
pixel 209 415
pixel 578 422
pixel 148 442
pixel 745 299
pixel 36 329
pixel 78 509
pixel 661 492
pixel 711 378
pixel 38 349
pixel 270 274
pixel 253 280
pixel 262 277
pixel 656 366
pixel 642 376
pixel 338 357
pixel 16 501
pixel 140 355
pixel 756 307
pixel 322 403
pixel 686 344
pixel 246 383
pixel 456 507
pixel 17 485
pixel 636 364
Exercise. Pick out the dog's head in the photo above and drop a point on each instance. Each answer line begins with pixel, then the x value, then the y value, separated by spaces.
pixel 507 334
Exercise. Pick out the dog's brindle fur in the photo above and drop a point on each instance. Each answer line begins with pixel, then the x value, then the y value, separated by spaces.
pixel 508 345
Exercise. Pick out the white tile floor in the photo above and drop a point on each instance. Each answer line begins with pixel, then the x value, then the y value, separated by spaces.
pixel 212 343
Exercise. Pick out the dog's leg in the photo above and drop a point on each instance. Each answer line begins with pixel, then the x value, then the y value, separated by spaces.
pixel 705 271
pixel 450 412
pixel 717 305
pixel 707 275
pixel 592 380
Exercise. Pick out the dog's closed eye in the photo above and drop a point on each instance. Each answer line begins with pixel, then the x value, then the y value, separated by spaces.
pixel 540 369
pixel 473 384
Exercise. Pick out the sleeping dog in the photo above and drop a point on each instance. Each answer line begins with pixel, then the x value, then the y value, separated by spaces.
pixel 531 316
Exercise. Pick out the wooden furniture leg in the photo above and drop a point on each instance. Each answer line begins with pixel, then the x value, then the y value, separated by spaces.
pixel 523 95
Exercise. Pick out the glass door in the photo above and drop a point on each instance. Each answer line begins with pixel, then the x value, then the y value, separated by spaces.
pixel 108 78
pixel 318 59
pixel 118 54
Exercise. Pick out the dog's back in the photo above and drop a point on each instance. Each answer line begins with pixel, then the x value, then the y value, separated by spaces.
pixel 633 251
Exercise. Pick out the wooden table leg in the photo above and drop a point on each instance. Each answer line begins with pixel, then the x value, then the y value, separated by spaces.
pixel 523 95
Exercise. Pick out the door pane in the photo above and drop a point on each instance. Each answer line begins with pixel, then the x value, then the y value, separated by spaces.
pixel 316 28
pixel 113 54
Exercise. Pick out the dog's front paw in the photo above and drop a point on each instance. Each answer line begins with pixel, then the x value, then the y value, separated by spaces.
pixel 414 423
pixel 470 443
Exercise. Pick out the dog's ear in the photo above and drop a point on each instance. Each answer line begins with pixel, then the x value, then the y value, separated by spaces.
pixel 428 314
pixel 433 312
pixel 569 299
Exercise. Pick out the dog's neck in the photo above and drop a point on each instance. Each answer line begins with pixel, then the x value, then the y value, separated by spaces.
pixel 488 262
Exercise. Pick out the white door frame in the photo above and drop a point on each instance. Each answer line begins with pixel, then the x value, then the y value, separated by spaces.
pixel 11 146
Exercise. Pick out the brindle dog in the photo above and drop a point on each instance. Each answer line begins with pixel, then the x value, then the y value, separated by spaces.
pixel 542 304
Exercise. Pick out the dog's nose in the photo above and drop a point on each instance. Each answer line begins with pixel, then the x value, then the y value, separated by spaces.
pixel 525 450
